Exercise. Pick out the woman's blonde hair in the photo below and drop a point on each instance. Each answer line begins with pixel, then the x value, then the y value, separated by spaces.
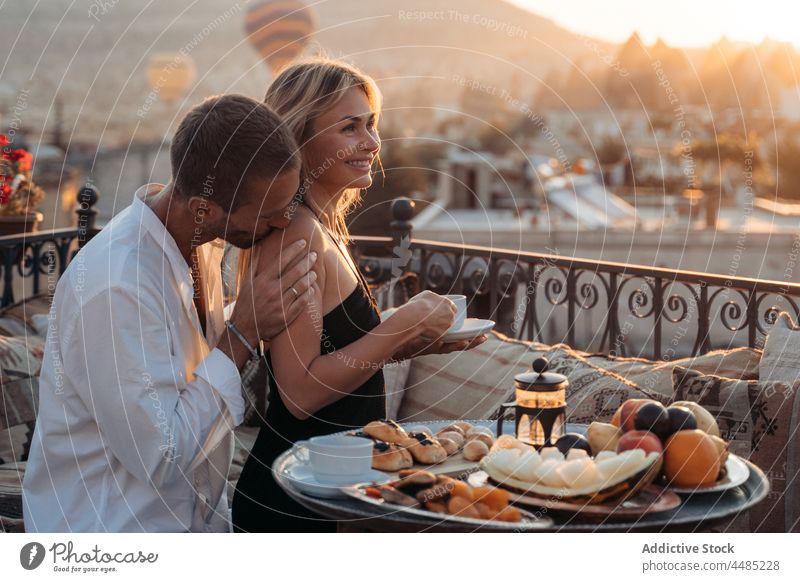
pixel 305 90
pixel 302 92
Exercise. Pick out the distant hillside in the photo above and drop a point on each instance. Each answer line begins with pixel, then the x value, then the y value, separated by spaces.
pixel 94 55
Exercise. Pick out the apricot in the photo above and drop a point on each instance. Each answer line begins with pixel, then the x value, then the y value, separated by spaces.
pixel 462 507
pixel 436 506
pixel 485 511
pixel 461 489
pixel 510 514
pixel 691 459
pixel 494 497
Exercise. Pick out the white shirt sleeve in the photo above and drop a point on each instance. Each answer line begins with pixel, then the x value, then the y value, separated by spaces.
pixel 152 417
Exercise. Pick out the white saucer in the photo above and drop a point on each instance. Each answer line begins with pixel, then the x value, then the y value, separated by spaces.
pixel 303 478
pixel 470 329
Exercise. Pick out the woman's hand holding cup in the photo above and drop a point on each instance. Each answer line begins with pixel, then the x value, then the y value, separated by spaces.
pixel 435 313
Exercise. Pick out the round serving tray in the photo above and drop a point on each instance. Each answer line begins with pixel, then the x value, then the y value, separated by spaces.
pixel 694 511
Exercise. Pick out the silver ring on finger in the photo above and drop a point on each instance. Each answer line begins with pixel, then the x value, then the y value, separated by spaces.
pixel 296 294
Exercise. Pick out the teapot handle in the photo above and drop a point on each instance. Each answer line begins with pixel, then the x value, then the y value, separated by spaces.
pixel 502 416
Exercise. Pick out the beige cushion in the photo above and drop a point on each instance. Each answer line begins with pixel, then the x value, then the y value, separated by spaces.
pixel 468 384
pixel 781 359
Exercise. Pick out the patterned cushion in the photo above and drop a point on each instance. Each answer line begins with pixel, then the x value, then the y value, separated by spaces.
pixel 469 384
pixel 760 420
pixel 24 310
pixel 20 357
pixel 726 399
pixel 18 405
pixel 738 363
pixel 781 359
pixel 11 326
pixel 15 443
pixel 593 393
pixel 776 417
pixel 11 476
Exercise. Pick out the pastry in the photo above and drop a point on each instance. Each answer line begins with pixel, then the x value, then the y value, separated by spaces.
pixel 475 450
pixel 387 431
pixel 479 429
pixel 464 426
pixel 438 492
pixel 452 428
pixel 450 446
pixel 456 437
pixel 424 449
pixel 390 457
pixel 483 437
pixel 415 478
pixel 392 495
pixel 421 428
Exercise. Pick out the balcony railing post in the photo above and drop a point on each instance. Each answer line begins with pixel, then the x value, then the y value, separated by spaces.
pixel 87 198
pixel 615 347
pixel 402 213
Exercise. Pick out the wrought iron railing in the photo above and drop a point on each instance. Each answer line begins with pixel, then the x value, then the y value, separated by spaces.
pixel 31 263
pixel 600 306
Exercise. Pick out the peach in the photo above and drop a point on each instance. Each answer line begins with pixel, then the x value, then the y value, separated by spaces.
pixel 640 439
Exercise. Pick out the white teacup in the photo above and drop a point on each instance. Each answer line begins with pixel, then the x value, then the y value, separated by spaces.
pixel 339 459
pixel 461 311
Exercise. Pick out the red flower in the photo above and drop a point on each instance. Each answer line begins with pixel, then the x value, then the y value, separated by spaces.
pixel 4 140
pixel 23 158
pixel 5 190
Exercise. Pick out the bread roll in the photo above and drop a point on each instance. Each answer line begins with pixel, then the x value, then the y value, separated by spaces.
pixel 456 437
pixel 452 428
pixel 479 429
pixel 483 437
pixel 415 478
pixel 421 428
pixel 387 431
pixel 475 450
pixel 390 457
pixel 450 446
pixel 424 449
pixel 464 426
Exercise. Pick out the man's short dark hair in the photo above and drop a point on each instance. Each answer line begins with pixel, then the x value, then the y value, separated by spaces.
pixel 226 141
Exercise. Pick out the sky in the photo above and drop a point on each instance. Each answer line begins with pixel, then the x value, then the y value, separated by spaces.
pixel 684 23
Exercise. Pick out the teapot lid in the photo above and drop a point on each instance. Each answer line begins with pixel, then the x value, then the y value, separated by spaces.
pixel 540 378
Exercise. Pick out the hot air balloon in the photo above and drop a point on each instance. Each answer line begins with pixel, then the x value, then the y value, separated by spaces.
pixel 170 74
pixel 279 30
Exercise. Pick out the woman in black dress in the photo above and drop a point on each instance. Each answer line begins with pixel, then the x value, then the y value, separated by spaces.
pixel 325 368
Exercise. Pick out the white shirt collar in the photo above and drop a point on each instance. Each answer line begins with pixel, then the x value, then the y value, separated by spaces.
pixel 209 255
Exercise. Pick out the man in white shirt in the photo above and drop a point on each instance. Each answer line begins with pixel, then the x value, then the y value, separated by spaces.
pixel 140 387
